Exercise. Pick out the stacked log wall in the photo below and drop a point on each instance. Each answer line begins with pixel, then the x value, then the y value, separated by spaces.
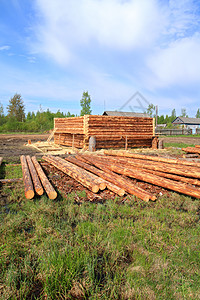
pixel 110 131
pixel 69 131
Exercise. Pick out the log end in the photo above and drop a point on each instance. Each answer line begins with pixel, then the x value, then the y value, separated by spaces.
pixel 52 195
pixel 146 198
pixel 153 198
pixel 40 191
pixel 95 189
pixel 102 186
pixel 29 194
pixel 121 193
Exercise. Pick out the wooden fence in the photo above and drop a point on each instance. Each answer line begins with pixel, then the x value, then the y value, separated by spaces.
pixel 110 131
pixel 173 131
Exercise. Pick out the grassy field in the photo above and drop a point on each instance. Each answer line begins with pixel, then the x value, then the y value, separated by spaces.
pixel 178 145
pixel 131 250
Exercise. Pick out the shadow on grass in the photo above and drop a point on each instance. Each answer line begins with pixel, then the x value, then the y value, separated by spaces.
pixel 2 170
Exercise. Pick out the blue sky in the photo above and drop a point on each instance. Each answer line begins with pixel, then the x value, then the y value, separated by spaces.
pixel 53 50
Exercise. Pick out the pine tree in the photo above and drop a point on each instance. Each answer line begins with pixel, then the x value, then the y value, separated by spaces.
pixel 85 104
pixel 151 109
pixel 16 108
pixel 198 113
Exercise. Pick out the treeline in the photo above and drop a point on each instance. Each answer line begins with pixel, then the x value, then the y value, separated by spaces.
pixel 17 121
pixel 33 122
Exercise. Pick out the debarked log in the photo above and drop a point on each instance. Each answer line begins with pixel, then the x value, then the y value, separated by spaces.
pixel 28 186
pixel 192 150
pixel 87 179
pixel 150 157
pixel 109 180
pixel 35 179
pixel 126 184
pixel 188 171
pixel 52 194
pixel 11 180
pixel 139 174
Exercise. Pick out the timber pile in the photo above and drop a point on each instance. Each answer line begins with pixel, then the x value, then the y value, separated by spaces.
pixel 110 132
pixel 95 179
pixel 115 169
pixel 177 175
pixel 34 178
pixel 195 149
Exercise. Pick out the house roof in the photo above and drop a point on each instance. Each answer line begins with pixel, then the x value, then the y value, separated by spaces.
pixel 187 121
pixel 125 114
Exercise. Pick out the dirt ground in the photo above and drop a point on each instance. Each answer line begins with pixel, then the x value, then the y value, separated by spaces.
pixel 187 140
pixel 13 145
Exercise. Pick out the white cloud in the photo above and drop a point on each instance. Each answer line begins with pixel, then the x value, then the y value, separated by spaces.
pixel 66 26
pixel 2 48
pixel 178 64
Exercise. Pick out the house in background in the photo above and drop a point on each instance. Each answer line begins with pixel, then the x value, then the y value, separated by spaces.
pixel 188 123
pixel 125 114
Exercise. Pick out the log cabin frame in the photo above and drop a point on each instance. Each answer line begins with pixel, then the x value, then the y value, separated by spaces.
pixel 110 131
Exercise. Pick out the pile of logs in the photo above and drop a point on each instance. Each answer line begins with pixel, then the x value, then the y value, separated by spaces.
pixel 192 150
pixel 110 131
pixel 35 179
pixel 96 172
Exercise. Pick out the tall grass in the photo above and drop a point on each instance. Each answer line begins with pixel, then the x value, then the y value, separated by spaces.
pixel 133 250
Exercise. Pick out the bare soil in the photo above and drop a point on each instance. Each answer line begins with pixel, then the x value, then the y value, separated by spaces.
pixel 13 145
pixel 186 140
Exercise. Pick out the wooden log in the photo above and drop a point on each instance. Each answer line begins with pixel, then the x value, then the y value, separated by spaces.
pixel 12 180
pixel 94 179
pixel 52 194
pixel 192 150
pixel 150 157
pixel 175 177
pixel 155 143
pixel 35 179
pixel 156 166
pixel 1 159
pixel 87 179
pixel 127 185
pixel 28 186
pixel 139 174
pixel 109 180
pixel 191 155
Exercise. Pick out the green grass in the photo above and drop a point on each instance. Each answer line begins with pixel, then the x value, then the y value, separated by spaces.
pixel 135 250
pixel 185 135
pixel 25 132
pixel 178 145
pixel 8 171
